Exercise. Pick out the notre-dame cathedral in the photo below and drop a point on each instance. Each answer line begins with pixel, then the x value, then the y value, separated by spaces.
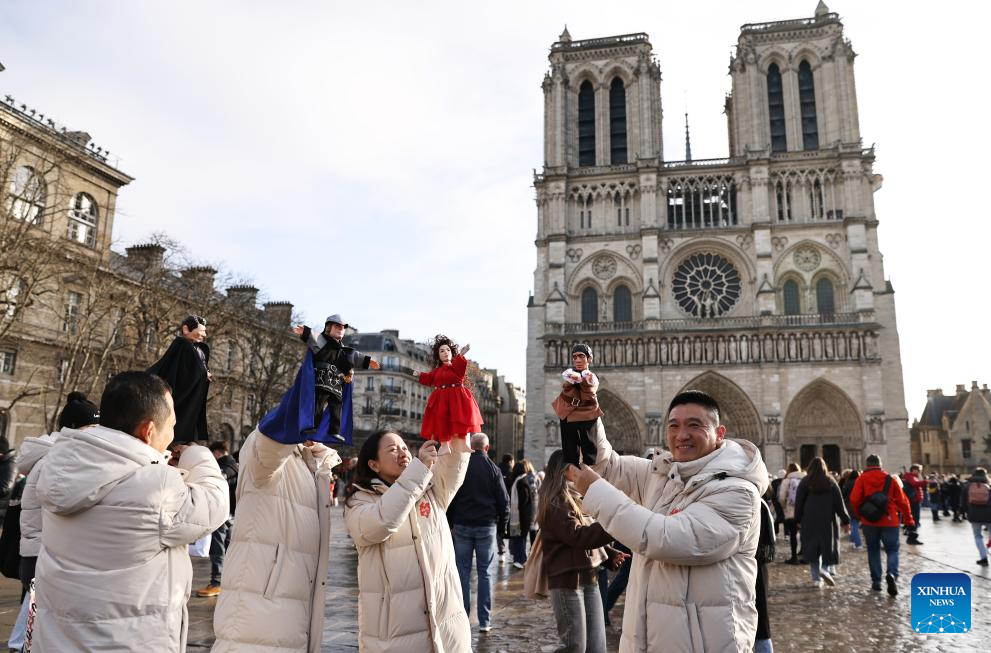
pixel 755 277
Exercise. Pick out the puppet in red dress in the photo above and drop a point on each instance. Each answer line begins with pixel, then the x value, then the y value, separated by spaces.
pixel 451 409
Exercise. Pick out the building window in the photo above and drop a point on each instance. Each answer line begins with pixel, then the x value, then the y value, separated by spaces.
pixel 390 362
pixel 965 445
pixel 622 310
pixel 27 196
pixel 706 285
pixel 590 306
pixel 151 337
pixel 824 297
pixel 621 202
pixel 117 337
pixel 776 109
pixel 792 302
pixel 82 220
pixel 586 124
pixel 73 301
pixel 10 301
pixel 4 418
pixel 370 384
pixel 807 100
pixel 63 371
pixel 782 200
pixel 231 355
pixel 585 212
pixel 697 202
pixel 617 122
pixel 7 359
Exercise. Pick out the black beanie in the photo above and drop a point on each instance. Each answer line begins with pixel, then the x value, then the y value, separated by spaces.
pixel 78 412
pixel 582 348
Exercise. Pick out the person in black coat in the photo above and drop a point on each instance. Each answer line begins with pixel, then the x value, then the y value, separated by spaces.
pixel 185 366
pixel 522 501
pixel 818 502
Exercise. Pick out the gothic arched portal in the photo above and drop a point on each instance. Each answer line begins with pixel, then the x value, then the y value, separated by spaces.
pixel 621 423
pixel 822 421
pixel 737 412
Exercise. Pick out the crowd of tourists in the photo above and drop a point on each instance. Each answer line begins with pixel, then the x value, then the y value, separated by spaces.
pixel 686 532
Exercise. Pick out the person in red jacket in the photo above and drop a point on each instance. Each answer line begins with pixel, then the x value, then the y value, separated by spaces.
pixel 915 488
pixel 885 530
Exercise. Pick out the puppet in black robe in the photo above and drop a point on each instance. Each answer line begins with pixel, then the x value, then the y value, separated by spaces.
pixel 185 368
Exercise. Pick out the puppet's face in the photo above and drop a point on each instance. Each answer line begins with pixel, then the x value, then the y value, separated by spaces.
pixel 196 335
pixel 444 354
pixel 334 330
pixel 579 361
pixel 393 457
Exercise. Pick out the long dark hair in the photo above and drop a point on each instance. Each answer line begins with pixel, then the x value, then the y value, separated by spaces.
pixel 554 488
pixel 440 340
pixel 363 475
pixel 818 474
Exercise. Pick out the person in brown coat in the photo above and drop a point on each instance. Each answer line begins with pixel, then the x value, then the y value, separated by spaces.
pixel 572 552
pixel 578 407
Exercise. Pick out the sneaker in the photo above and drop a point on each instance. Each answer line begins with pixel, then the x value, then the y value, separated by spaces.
pixel 208 591
pixel 485 629
pixel 826 576
pixel 914 540
pixel 817 584
pixel 791 561
pixel 892 588
pixel 983 562
pixel 518 565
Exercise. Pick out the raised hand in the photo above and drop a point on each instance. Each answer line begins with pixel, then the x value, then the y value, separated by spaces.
pixel 428 453
pixel 298 329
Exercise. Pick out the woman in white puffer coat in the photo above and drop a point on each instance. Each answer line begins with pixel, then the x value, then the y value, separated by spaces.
pixel 275 571
pixel 409 589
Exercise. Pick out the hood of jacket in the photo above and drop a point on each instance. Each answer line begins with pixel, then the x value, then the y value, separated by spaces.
pixel 736 458
pixel 84 466
pixel 34 449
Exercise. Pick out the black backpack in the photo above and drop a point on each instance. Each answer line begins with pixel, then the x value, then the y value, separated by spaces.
pixel 875 507
pixel 765 545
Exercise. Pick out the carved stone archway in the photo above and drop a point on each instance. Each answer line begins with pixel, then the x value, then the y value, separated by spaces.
pixel 621 423
pixel 737 412
pixel 820 418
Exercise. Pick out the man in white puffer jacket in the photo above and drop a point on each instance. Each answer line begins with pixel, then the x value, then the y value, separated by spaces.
pixel 113 572
pixel 691 517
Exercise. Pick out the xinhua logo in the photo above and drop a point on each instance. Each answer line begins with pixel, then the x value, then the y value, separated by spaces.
pixel 941 603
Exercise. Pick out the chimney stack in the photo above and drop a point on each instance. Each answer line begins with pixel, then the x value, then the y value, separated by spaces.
pixel 147 257
pixel 243 295
pixel 933 394
pixel 200 277
pixel 279 313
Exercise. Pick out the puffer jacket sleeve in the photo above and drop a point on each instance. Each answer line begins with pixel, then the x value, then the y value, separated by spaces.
pixel 196 505
pixel 629 474
pixel 449 474
pixel 269 459
pixel 373 522
pixel 706 531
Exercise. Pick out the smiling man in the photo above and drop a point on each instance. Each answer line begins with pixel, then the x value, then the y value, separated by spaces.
pixel 691 516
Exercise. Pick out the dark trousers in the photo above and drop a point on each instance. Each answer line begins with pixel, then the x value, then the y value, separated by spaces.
pixel 763 622
pixel 26 572
pixel 333 403
pixel 916 514
pixel 576 440
pixel 219 541
pixel 791 529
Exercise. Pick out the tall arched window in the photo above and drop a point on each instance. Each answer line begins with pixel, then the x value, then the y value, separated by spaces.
pixel 82 220
pixel 590 305
pixel 622 309
pixel 27 195
pixel 617 122
pixel 3 424
pixel 585 211
pixel 824 297
pixel 789 292
pixel 586 124
pixel 776 108
pixel 807 100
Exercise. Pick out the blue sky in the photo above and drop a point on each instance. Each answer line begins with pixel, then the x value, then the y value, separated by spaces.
pixel 375 159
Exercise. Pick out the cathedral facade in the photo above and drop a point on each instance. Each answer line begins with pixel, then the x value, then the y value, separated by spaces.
pixel 756 277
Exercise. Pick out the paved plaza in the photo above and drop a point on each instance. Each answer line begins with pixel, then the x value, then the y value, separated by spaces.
pixel 847 617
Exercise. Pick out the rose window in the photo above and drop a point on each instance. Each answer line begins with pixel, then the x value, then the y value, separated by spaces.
pixel 706 285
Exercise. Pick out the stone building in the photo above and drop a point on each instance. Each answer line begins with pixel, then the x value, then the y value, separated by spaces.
pixel 954 432
pixel 756 277
pixel 512 418
pixel 73 312
pixel 391 398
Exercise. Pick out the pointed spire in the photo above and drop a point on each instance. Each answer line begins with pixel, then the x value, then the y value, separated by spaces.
pixel 565 36
pixel 821 9
pixel 688 141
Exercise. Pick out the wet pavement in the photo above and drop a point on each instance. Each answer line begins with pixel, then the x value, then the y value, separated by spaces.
pixel 848 617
